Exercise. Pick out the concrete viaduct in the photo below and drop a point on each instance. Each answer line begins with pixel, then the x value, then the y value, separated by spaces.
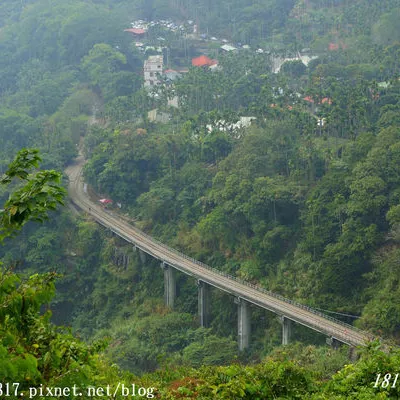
pixel 245 293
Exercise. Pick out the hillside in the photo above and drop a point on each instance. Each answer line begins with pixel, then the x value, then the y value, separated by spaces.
pixel 304 201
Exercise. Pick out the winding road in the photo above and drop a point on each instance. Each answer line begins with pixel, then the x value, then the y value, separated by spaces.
pixel 253 294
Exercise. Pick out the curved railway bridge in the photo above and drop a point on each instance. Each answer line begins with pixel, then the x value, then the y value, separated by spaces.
pixel 245 293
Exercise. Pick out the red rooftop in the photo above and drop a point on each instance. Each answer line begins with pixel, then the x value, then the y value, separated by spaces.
pixel 203 61
pixel 136 31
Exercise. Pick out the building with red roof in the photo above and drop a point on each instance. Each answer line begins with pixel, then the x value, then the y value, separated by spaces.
pixel 336 46
pixel 136 31
pixel 333 46
pixel 325 100
pixel 314 105
pixel 203 61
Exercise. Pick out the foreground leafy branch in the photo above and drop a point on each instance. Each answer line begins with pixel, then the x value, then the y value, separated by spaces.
pixel 39 193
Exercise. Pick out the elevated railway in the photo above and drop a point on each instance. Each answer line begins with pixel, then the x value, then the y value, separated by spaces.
pixel 245 293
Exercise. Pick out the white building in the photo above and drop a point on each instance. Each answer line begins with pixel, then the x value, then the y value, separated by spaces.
pixel 228 48
pixel 277 62
pixel 153 67
pixel 158 116
pixel 236 129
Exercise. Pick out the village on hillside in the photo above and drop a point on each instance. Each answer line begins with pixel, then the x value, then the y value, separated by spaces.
pixel 152 38
pixel 202 43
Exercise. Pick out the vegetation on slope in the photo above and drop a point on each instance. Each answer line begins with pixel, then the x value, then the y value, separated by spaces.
pixel 306 208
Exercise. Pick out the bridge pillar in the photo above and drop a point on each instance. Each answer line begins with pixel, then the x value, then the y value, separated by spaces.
pixel 169 285
pixel 243 323
pixel 204 303
pixel 286 330
pixel 331 341
pixel 142 256
pixel 353 356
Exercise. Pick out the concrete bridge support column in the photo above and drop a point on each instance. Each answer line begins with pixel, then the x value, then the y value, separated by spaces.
pixel 353 355
pixel 204 303
pixel 142 256
pixel 286 330
pixel 169 285
pixel 331 341
pixel 243 324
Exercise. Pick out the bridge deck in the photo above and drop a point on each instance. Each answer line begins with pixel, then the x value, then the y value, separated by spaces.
pixel 294 311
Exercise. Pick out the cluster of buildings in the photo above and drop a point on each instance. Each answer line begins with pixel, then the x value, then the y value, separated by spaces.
pixel 153 69
pixel 155 74
pixel 154 66
pixel 141 26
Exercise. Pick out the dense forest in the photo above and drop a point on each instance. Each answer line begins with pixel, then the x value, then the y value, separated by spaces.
pixel 304 202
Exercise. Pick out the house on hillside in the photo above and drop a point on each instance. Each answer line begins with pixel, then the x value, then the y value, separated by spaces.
pixel 277 62
pixel 137 33
pixel 158 116
pixel 236 129
pixel 334 46
pixel 228 48
pixel 315 104
pixel 153 68
pixel 171 75
pixel 203 61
